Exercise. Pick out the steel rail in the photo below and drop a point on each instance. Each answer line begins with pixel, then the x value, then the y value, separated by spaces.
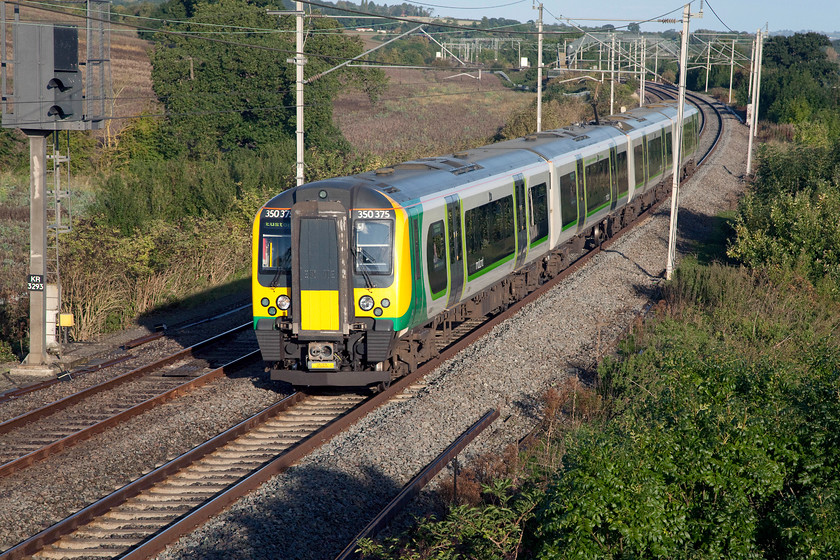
pixel 99 508
pixel 413 487
pixel 85 433
pixel 72 439
pixel 52 408
pixel 13 394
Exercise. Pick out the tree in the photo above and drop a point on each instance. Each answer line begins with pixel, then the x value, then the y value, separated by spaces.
pixel 798 79
pixel 235 89
pixel 633 28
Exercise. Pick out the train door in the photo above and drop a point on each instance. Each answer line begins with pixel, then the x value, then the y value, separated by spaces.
pixel 319 298
pixel 418 297
pixel 613 177
pixel 456 252
pixel 521 222
pixel 581 196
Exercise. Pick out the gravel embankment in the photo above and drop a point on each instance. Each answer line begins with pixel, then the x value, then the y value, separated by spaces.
pixel 315 508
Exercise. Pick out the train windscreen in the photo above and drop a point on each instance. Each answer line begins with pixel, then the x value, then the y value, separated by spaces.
pixel 275 259
pixel 373 241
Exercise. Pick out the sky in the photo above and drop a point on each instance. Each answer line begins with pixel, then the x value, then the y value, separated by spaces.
pixel 739 15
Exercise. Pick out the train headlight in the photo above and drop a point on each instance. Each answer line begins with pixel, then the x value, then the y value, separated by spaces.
pixel 386 303
pixel 264 302
pixel 284 303
pixel 378 312
pixel 272 311
pixel 366 303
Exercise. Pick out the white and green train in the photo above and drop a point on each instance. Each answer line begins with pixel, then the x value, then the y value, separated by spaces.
pixel 353 276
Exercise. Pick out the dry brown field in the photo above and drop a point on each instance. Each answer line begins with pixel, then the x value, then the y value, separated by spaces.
pixel 429 111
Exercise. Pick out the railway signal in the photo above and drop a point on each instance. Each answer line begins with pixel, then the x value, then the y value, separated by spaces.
pixel 47 95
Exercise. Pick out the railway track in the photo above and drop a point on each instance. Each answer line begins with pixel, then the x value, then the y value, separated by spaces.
pixel 100 364
pixel 50 429
pixel 143 517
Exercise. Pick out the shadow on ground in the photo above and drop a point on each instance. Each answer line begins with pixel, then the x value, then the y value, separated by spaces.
pixel 309 513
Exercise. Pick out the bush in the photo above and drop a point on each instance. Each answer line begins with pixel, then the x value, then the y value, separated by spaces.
pixel 6 354
pixel 712 452
pixel 788 219
pixel 108 280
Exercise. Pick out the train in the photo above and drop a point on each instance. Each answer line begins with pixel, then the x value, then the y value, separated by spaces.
pixel 356 279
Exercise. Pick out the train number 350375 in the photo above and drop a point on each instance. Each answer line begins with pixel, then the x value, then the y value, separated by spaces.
pixel 373 214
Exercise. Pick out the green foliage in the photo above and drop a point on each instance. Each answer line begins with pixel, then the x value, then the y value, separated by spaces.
pixel 788 219
pixel 140 139
pixel 221 95
pixel 493 530
pixel 109 279
pixel 146 190
pixel 715 450
pixel 556 113
pixel 416 51
pixel 14 151
pixel 798 80
pixel 6 354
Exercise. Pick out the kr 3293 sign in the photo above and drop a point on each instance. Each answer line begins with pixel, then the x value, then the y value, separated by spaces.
pixel 36 283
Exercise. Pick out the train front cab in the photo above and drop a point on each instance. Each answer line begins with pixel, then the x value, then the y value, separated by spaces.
pixel 327 288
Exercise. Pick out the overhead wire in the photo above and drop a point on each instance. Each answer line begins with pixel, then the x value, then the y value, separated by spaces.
pixel 310 4
pixel 718 17
pixel 467 7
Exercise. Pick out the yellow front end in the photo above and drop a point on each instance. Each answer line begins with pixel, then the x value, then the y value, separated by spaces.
pixel 264 298
pixel 318 310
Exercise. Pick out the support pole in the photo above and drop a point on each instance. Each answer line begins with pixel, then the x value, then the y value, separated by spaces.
pixel 612 77
pixel 677 147
pixel 731 69
pixel 300 61
pixel 752 68
pixel 708 63
pixel 37 248
pixel 758 79
pixel 754 104
pixel 539 67
pixel 656 62
pixel 643 74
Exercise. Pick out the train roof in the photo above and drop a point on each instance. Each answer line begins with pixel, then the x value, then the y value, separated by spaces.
pixel 413 180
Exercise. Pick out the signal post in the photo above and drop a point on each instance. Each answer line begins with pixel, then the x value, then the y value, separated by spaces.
pixel 48 96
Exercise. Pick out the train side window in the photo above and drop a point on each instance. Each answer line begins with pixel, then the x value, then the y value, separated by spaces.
pixel 436 259
pixel 621 173
pixel 689 137
pixel 454 219
pixel 597 185
pixel 568 200
pixel 539 213
pixel 639 162
pixel 489 235
pixel 669 160
pixel 655 156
